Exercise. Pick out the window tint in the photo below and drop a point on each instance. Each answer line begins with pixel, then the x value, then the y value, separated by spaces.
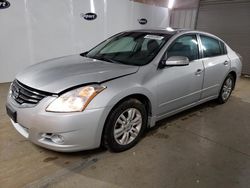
pixel 186 46
pixel 211 47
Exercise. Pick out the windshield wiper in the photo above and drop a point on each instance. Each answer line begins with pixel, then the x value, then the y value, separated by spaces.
pixel 84 54
pixel 106 59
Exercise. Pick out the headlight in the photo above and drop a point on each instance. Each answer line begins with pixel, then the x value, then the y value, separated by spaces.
pixel 75 100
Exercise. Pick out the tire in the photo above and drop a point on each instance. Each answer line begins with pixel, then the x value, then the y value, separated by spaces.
pixel 226 89
pixel 128 120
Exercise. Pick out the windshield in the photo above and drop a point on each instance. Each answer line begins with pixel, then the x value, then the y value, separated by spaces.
pixel 132 48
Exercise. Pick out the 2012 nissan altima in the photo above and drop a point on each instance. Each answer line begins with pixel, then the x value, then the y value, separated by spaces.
pixel 111 94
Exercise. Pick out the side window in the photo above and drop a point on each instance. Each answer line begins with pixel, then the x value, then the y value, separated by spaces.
pixel 211 47
pixel 223 48
pixel 186 46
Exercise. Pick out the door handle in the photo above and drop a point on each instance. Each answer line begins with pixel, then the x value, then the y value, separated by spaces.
pixel 198 72
pixel 226 62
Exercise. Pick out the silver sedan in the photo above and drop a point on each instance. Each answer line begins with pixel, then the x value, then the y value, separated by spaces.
pixel 111 94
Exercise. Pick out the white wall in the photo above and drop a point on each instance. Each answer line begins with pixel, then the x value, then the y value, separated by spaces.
pixel 36 30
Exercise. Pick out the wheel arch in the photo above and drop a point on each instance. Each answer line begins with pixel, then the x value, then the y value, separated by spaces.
pixel 233 73
pixel 139 96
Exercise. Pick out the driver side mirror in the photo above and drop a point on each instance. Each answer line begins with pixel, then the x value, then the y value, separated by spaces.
pixel 176 61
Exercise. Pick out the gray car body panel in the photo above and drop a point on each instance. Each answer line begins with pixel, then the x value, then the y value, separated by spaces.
pixel 59 74
pixel 168 90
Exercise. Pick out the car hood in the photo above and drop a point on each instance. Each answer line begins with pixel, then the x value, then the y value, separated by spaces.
pixel 58 74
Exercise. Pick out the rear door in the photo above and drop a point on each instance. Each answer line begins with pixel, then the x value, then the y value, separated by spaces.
pixel 216 63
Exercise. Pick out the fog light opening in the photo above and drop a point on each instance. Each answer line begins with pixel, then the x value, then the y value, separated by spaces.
pixel 58 139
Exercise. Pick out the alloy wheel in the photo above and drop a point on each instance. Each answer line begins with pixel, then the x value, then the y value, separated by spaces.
pixel 127 126
pixel 227 89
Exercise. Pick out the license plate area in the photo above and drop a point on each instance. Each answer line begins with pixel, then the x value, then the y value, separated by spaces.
pixel 11 113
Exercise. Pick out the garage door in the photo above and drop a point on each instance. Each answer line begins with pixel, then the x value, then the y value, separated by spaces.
pixel 229 20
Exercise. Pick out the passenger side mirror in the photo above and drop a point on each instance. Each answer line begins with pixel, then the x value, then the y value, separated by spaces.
pixel 176 61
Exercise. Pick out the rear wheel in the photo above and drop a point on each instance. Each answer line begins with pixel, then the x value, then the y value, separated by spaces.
pixel 125 125
pixel 226 89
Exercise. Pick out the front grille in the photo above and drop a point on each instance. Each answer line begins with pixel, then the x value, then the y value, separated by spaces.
pixel 23 94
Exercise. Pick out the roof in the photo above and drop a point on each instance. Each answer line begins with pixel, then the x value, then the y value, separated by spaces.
pixel 168 30
pixel 172 31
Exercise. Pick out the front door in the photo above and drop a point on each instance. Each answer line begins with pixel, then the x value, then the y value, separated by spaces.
pixel 180 86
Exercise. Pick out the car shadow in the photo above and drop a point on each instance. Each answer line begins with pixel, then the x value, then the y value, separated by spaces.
pixel 184 115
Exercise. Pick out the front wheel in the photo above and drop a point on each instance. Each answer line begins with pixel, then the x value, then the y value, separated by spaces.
pixel 125 125
pixel 226 89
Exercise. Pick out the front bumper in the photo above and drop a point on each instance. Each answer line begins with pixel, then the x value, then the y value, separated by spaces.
pixel 79 130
